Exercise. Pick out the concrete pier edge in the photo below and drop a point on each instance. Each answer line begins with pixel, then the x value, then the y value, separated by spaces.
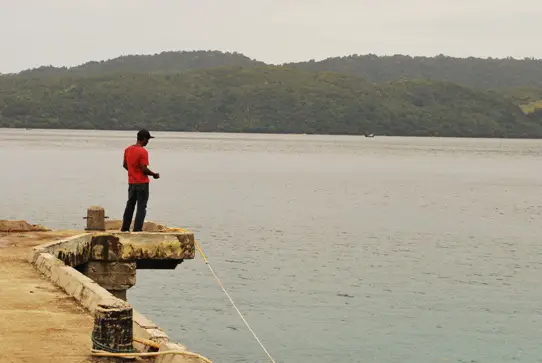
pixel 89 293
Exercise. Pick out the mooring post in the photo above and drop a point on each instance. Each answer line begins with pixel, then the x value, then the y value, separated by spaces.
pixel 113 327
pixel 95 219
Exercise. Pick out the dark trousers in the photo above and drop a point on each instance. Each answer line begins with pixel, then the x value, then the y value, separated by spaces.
pixel 137 194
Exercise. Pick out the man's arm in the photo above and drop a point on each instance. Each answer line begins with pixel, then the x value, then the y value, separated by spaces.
pixel 124 163
pixel 148 171
pixel 144 164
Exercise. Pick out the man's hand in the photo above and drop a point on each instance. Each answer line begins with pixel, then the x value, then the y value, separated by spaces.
pixel 148 171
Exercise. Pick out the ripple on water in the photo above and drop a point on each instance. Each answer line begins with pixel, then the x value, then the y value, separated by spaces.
pixel 337 249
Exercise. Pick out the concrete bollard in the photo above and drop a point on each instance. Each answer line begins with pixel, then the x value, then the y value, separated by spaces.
pixel 113 327
pixel 95 219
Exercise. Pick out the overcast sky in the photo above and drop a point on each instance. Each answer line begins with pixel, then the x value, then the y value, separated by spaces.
pixel 70 32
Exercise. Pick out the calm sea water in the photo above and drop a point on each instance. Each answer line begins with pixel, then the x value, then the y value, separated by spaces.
pixel 337 249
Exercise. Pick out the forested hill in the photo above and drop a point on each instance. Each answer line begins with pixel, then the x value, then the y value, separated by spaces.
pixel 471 72
pixel 261 99
pixel 165 62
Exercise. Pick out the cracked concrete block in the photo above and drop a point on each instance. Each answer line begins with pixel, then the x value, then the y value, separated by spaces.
pixel 33 255
pixel 119 294
pixel 88 299
pixel 132 247
pixel 74 289
pixel 154 334
pixel 45 263
pixel 143 321
pixel 112 275
pixel 55 276
pixel 73 251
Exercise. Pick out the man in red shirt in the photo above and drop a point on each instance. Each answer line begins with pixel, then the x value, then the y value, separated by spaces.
pixel 136 161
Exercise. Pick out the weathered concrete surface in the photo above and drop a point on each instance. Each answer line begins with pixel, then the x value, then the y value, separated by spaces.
pixel 115 225
pixel 115 277
pixel 147 247
pixel 20 226
pixel 88 292
pixel 144 247
pixel 39 323
pixel 112 275
pixel 73 250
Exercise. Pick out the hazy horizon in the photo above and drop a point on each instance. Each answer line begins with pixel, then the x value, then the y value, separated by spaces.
pixel 68 33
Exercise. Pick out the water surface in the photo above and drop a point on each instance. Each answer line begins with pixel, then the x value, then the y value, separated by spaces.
pixel 337 249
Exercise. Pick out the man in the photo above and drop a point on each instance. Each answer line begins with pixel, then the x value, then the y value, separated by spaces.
pixel 136 161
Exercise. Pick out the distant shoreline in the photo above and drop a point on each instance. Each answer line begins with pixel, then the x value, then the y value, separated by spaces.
pixel 277 133
pixel 230 93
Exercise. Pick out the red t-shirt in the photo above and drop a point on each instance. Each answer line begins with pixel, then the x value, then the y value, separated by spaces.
pixel 136 156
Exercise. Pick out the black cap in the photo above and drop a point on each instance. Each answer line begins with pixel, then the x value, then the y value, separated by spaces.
pixel 144 134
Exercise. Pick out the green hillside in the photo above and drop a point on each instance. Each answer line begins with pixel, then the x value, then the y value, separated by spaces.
pixel 472 72
pixel 529 99
pixel 165 62
pixel 260 99
pixel 491 73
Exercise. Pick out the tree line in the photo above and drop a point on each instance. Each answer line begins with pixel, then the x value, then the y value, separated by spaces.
pixel 267 99
pixel 489 73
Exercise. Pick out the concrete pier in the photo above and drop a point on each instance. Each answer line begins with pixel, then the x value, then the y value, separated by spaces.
pixel 53 281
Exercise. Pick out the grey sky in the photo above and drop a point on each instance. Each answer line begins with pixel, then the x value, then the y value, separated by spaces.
pixel 70 32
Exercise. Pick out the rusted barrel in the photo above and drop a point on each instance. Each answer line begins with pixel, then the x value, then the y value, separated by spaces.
pixel 113 329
